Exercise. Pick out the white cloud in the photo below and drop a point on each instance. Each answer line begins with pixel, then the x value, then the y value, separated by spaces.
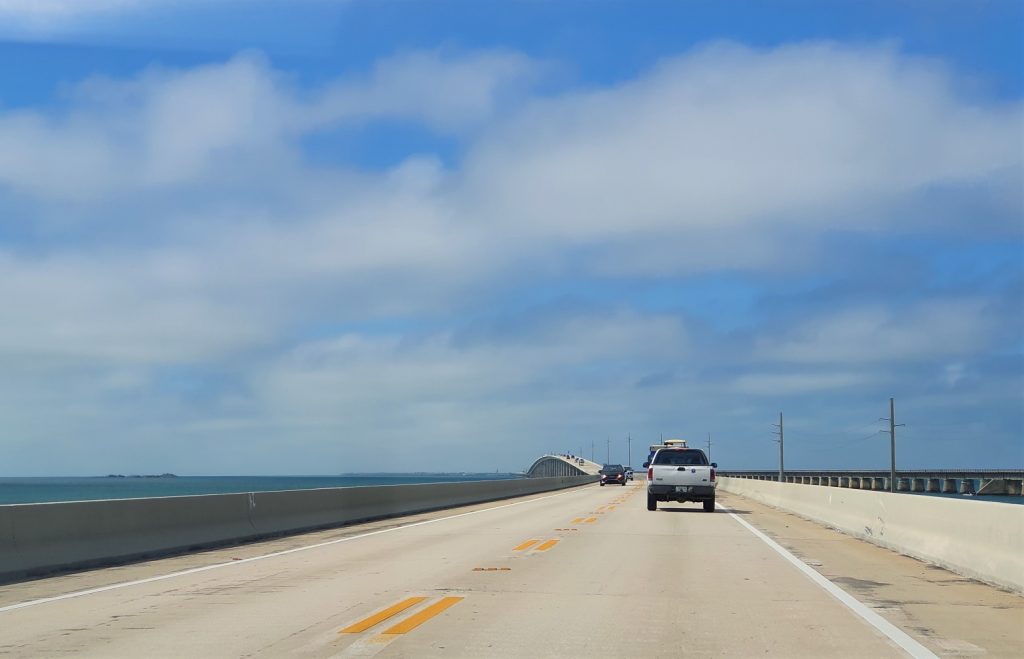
pixel 778 385
pixel 239 121
pixel 53 9
pixel 936 328
pixel 450 94
pixel 731 144
pixel 46 19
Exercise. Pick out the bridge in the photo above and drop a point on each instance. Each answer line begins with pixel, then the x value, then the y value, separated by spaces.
pixel 571 571
pixel 562 465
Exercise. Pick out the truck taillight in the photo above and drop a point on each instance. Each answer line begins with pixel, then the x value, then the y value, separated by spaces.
pixel 650 473
pixel 712 474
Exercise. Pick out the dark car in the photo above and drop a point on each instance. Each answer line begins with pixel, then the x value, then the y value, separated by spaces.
pixel 613 474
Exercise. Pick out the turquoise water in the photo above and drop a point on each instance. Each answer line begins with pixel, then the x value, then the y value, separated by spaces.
pixel 40 490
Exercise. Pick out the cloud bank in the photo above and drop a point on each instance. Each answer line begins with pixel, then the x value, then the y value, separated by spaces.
pixel 177 268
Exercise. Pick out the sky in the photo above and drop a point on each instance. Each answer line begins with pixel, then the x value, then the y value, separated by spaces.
pixel 316 237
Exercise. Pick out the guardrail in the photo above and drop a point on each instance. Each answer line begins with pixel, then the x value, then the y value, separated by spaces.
pixel 37 538
pixel 1006 482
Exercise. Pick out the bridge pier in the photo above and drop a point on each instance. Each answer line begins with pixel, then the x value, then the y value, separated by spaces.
pixel 833 481
pixel 993 486
pixel 967 486
pixel 880 484
pixel 815 480
pixel 902 484
pixel 855 482
pixel 949 486
pixel 934 484
pixel 1014 487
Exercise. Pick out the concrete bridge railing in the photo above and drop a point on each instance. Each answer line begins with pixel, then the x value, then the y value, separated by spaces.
pixel 43 537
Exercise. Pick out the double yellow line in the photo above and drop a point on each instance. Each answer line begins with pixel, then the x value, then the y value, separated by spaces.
pixel 407 625
pixel 546 545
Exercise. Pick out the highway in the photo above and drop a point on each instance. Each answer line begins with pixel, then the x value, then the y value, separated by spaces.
pixel 577 573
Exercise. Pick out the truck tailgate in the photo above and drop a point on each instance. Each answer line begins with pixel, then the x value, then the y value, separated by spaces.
pixel 688 475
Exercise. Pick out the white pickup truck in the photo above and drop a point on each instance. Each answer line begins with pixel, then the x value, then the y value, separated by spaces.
pixel 681 474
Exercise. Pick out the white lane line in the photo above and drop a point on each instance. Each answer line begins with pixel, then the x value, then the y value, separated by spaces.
pixel 215 566
pixel 894 633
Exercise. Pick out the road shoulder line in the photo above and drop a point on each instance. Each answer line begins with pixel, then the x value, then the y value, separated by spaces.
pixel 891 631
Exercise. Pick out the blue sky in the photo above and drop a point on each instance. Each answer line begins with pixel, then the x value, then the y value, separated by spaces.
pixel 317 237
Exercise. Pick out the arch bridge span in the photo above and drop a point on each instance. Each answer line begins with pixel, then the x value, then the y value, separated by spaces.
pixel 562 465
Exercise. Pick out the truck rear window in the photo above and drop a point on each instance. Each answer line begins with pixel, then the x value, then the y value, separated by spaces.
pixel 677 458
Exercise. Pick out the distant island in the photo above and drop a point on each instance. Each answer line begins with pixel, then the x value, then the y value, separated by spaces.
pixel 141 476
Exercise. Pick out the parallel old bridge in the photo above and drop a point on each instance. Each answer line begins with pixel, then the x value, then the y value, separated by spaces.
pixel 963 481
pixel 549 566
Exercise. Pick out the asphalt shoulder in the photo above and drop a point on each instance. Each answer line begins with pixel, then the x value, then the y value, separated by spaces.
pixel 949 614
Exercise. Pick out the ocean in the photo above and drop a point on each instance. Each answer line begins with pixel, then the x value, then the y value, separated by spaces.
pixel 46 489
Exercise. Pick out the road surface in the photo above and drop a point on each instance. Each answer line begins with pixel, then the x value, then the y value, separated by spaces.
pixel 578 573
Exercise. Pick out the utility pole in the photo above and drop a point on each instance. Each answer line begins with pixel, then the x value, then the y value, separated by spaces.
pixel 781 441
pixel 629 449
pixel 608 456
pixel 591 450
pixel 892 443
pixel 709 447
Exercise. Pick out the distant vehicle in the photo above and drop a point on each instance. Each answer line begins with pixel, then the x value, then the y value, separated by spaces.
pixel 654 449
pixel 613 474
pixel 668 443
pixel 681 474
pixel 629 473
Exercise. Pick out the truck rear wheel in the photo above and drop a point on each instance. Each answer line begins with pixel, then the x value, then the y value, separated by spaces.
pixel 652 502
pixel 709 506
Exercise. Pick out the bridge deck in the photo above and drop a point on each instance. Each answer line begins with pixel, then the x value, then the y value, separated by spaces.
pixel 616 580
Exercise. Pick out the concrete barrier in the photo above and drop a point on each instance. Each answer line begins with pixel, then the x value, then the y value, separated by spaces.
pixel 44 537
pixel 980 539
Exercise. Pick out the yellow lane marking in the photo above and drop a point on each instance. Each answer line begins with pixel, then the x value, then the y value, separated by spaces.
pixel 526 545
pixel 567 529
pixel 590 520
pixel 577 520
pixel 412 622
pixel 548 545
pixel 380 617
pixel 492 569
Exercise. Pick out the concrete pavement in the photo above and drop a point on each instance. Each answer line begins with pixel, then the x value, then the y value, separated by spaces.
pixel 577 573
